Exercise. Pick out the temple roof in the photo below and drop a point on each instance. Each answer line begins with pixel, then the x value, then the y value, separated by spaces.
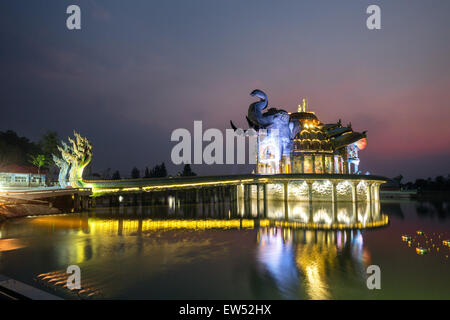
pixel 316 136
pixel 303 116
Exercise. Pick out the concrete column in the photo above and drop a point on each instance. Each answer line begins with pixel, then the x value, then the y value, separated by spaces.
pixel 355 200
pixel 245 199
pixel 313 163
pixel 237 200
pixel 333 169
pixel 249 200
pixel 76 202
pixel 310 200
pixel 370 192
pixel 265 199
pixel 334 201
pixel 354 193
pixel 258 198
pixel 310 195
pixel 324 166
pixel 303 164
pixel 376 191
pixel 203 199
pixel 286 200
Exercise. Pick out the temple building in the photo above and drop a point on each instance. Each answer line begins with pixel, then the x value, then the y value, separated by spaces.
pixel 315 147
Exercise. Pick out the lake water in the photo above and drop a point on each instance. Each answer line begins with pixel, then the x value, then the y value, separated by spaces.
pixel 178 251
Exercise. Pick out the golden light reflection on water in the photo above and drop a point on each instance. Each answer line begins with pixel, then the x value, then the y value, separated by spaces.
pixel 11 244
pixel 132 226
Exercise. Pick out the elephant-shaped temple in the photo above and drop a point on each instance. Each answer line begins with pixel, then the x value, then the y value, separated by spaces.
pixel 300 143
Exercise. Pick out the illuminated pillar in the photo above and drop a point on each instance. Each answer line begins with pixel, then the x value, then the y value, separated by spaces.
pixel 354 194
pixel 257 200
pixel 354 200
pixel 333 193
pixel 241 191
pixel 370 192
pixel 286 199
pixel 245 199
pixel 265 199
pixel 334 201
pixel 324 165
pixel 310 200
pixel 313 163
pixel 303 163
pixel 249 193
pixel 310 195
pixel 333 169
pixel 376 191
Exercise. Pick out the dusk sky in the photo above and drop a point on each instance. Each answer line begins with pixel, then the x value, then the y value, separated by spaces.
pixel 137 70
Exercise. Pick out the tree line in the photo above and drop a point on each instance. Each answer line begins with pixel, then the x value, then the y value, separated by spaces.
pixel 22 151
pixel 158 171
pixel 438 183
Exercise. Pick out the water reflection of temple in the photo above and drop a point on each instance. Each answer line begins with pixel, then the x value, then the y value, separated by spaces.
pixel 225 202
pixel 305 262
pixel 316 214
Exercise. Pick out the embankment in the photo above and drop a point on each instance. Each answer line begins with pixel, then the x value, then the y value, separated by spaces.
pixel 12 208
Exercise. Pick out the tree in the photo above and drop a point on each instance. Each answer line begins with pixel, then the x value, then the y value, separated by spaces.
pixel 106 174
pixel 38 161
pixel 15 149
pixel 49 145
pixel 135 174
pixel 116 175
pixel 187 171
pixel 158 171
pixel 163 172
pixel 147 173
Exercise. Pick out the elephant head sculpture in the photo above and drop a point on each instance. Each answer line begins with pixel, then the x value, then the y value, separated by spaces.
pixel 271 120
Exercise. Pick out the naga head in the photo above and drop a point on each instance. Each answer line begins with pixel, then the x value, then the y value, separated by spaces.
pixel 78 155
pixel 58 161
